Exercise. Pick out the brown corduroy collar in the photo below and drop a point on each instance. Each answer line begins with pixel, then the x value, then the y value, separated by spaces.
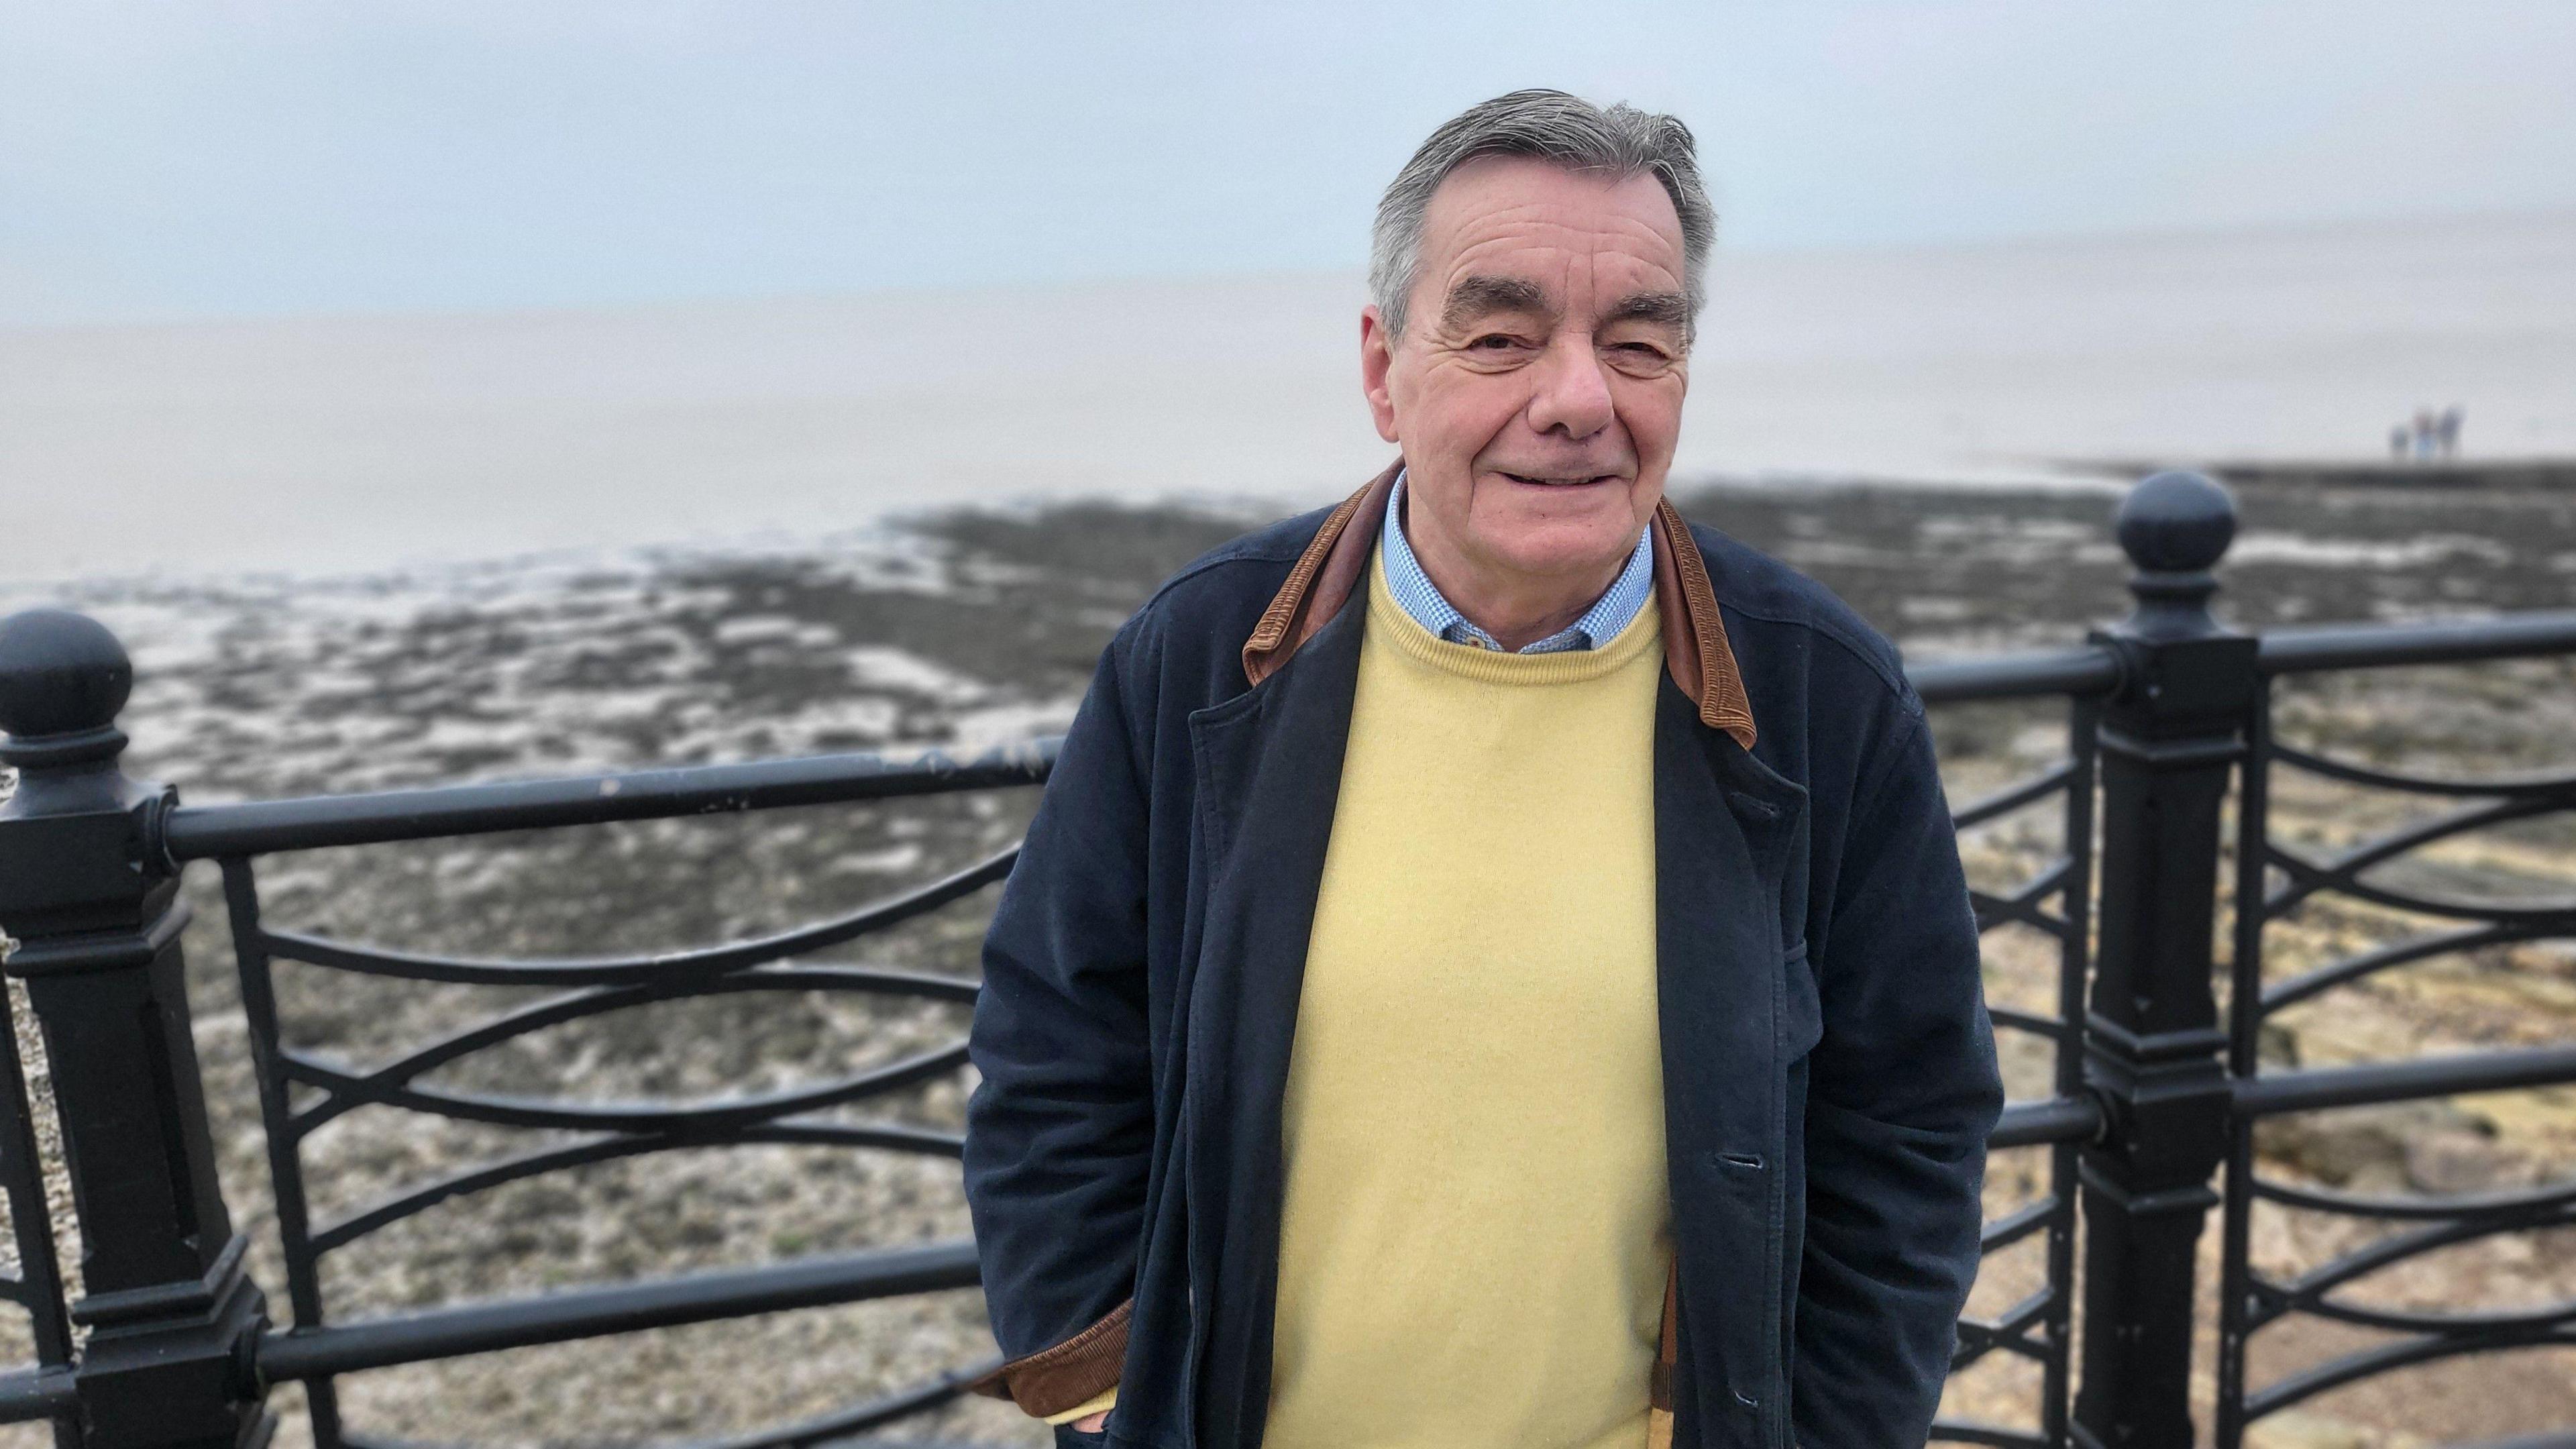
pixel 1329 572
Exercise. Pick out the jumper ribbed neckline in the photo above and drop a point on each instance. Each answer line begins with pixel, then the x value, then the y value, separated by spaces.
pixel 1491 666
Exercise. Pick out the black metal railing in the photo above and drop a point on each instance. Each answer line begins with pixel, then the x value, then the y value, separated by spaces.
pixel 2146 1128
pixel 314 1350
pixel 2273 881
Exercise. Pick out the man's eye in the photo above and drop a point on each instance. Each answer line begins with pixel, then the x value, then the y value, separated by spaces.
pixel 1495 342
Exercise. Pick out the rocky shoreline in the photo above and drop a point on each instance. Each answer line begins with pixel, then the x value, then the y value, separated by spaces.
pixel 975 628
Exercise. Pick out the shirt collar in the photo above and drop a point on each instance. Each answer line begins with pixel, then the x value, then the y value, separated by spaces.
pixel 1613 611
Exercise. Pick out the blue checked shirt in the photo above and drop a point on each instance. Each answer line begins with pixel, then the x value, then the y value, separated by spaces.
pixel 1612 612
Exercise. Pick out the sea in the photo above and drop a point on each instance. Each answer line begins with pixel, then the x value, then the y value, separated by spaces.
pixel 353 445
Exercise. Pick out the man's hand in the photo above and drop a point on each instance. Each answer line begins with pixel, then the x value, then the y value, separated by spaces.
pixel 1092 1423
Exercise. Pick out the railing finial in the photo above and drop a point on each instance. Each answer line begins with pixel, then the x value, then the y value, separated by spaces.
pixel 2175 526
pixel 63 677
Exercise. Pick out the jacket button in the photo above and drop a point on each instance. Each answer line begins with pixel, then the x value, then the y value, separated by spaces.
pixel 1747 1400
pixel 1740 1161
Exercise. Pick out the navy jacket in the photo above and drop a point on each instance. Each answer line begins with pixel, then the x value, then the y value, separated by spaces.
pixel 1829 1072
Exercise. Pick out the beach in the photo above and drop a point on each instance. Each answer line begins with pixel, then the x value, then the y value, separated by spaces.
pixel 973 627
pixel 385 553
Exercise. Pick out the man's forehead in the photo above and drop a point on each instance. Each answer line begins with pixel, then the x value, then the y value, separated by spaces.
pixel 1494 198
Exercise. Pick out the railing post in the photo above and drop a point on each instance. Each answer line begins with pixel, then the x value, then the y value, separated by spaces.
pixel 2170 739
pixel 91 902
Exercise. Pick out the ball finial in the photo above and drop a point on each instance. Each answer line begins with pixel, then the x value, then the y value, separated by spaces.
pixel 2176 523
pixel 61 673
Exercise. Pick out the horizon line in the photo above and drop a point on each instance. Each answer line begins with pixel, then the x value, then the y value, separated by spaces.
pixel 1079 282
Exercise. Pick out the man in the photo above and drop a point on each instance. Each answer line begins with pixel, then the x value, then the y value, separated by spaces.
pixel 1491 966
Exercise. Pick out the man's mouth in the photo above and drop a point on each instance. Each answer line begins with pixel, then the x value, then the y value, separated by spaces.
pixel 1546 480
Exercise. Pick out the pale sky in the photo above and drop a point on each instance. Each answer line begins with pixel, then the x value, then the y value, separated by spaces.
pixel 184 159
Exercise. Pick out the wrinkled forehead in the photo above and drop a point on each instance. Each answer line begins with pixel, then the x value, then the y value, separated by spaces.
pixel 1494 207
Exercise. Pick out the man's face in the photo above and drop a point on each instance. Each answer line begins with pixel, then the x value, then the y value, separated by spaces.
pixel 1537 389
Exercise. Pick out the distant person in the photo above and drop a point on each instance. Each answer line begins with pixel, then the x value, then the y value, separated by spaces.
pixel 2425 431
pixel 1491 967
pixel 2401 442
pixel 2449 430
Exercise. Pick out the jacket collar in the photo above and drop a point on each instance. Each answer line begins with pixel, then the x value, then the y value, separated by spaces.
pixel 1329 571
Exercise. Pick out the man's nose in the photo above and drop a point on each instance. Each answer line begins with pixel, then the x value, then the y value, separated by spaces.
pixel 1571 393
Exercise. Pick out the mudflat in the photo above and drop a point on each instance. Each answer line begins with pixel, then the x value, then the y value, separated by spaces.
pixel 958 628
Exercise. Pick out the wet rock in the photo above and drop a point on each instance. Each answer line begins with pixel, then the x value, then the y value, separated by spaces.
pixel 2415 1146
pixel 2276 1047
pixel 2453 1161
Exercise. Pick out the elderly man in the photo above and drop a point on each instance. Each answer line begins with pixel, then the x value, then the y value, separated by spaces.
pixel 1492 966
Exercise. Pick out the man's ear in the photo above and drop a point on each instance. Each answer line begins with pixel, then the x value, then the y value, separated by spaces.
pixel 1377 355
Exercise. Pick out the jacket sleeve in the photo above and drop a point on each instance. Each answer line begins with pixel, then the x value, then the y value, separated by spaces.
pixel 1902 1094
pixel 1059 1129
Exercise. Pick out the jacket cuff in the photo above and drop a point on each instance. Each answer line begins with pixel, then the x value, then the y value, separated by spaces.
pixel 1098 1403
pixel 1067 1376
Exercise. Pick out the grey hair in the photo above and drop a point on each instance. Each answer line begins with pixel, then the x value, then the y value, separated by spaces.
pixel 1619 142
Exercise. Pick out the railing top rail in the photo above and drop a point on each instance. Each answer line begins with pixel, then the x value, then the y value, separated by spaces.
pixel 2051 1119
pixel 32 1392
pixel 198 832
pixel 2310 648
pixel 2078 670
pixel 2095 669
pixel 2317 1089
